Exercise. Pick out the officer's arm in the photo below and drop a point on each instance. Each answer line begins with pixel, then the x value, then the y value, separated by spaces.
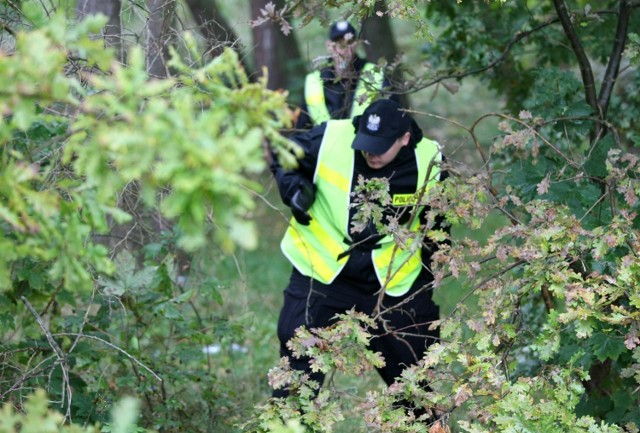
pixel 304 120
pixel 290 181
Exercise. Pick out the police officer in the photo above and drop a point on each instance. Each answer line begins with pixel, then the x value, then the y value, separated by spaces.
pixel 342 89
pixel 336 269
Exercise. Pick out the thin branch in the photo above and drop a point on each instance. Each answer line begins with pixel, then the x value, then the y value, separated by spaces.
pixel 44 328
pixel 27 375
pixel 613 67
pixel 505 52
pixel 85 319
pixel 583 61
pixel 62 358
pixel 602 197
pixel 429 286
pixel 15 7
pixel 52 299
pixel 518 37
pixel 485 281
pixel 534 131
pixel 113 346
pixel 7 29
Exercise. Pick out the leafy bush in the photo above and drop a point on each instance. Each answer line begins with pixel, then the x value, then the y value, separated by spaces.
pixel 92 149
pixel 39 418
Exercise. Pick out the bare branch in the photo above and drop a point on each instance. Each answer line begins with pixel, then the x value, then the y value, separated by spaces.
pixel 7 29
pixel 613 67
pixel 62 358
pixel 484 282
pixel 93 337
pixel 583 61
pixel 28 374
pixel 498 60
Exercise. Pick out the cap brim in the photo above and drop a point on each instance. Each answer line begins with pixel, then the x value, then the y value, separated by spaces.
pixel 371 144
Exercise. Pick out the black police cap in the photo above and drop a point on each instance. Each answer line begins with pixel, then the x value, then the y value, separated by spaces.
pixel 339 29
pixel 381 124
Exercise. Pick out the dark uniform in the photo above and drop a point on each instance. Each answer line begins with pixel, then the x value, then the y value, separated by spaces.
pixel 338 93
pixel 307 302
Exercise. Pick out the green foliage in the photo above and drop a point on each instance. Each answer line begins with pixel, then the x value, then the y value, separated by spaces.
pixel 39 418
pixel 345 341
pixel 124 416
pixel 540 404
pixel 339 348
pixel 87 319
pixel 549 342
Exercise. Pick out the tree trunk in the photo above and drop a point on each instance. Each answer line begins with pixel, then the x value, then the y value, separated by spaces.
pixel 112 31
pixel 381 43
pixel 277 52
pixel 161 13
pixel 216 30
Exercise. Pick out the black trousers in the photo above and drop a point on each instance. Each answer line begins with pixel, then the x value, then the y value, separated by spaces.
pixel 310 303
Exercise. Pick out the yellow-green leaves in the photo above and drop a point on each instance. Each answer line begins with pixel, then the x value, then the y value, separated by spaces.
pixel 39 418
pixel 187 143
pixel 196 137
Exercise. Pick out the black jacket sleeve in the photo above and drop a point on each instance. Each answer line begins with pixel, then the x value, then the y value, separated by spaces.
pixel 304 120
pixel 289 181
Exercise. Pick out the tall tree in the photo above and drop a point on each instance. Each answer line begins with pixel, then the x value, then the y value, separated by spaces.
pixel 161 14
pixel 381 44
pixel 112 31
pixel 276 48
pixel 215 29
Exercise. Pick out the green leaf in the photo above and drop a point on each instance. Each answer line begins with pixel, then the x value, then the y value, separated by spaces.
pixel 184 297
pixel 168 311
pixel 584 328
pixel 244 234
pixel 596 164
pixel 24 114
pixel 124 415
pixel 606 346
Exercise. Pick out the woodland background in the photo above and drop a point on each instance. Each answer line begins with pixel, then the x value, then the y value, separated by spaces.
pixel 140 275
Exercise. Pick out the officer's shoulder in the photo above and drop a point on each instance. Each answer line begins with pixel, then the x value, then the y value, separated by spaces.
pixel 317 131
pixel 310 135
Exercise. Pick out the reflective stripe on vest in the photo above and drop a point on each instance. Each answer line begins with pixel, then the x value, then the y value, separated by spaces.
pixel 314 93
pixel 314 249
pixel 398 266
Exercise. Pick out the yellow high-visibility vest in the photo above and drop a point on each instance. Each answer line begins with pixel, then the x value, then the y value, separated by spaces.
pixel 314 93
pixel 314 249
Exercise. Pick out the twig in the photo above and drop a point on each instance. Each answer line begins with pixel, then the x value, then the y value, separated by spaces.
pixel 602 197
pixel 518 37
pixel 26 376
pixel 583 60
pixel 485 281
pixel 7 29
pixel 85 319
pixel 62 359
pixel 613 67
pixel 93 337
pixel 51 299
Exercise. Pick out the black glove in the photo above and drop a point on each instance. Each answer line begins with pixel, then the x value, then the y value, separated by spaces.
pixel 301 201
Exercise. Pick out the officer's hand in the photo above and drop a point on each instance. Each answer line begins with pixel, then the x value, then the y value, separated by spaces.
pixel 301 202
